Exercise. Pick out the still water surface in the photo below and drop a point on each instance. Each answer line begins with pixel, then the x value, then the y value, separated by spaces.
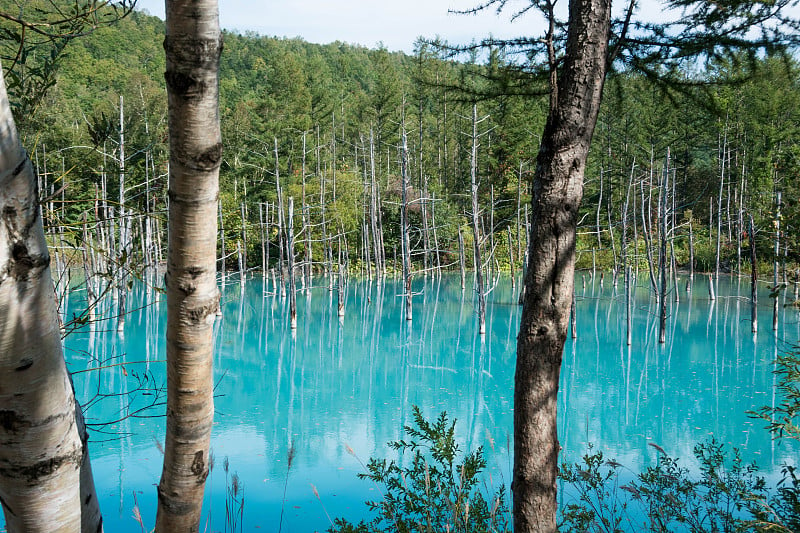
pixel 335 384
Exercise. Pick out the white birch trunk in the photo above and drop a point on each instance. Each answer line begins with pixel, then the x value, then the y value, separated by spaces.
pixel 476 237
pixel 45 476
pixel 193 45
pixel 405 241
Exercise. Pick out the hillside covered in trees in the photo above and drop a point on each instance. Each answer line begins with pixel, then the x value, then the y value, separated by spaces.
pixel 323 124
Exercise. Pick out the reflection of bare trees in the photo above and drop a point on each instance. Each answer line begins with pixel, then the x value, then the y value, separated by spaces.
pixel 354 382
pixel 116 386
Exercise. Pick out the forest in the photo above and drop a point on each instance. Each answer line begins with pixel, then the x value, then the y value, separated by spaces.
pixel 324 124
pixel 224 169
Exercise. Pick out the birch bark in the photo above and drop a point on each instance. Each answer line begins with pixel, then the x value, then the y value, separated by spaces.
pixel 45 476
pixel 193 45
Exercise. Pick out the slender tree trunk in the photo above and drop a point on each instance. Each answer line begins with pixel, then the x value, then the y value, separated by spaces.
pixel 691 257
pixel 373 209
pixel 435 236
pixel 674 266
pixel 648 245
pixel 519 214
pixel 263 240
pixel 290 265
pixel 266 233
pixel 597 214
pixel 511 259
pixel 662 256
pixel 308 259
pixel 753 277
pixel 240 262
pixel 45 474
pixel 775 260
pixel 244 235
pixel 306 224
pixel 406 245
pixel 724 145
pixel 124 225
pixel 624 252
pixel 521 299
pixel 476 235
pixel 193 45
pixel 490 270
pixel 573 318
pixel 221 266
pixel 423 178
pixel 340 283
pixel 281 222
pixel 740 220
pixel 461 259
pixel 558 189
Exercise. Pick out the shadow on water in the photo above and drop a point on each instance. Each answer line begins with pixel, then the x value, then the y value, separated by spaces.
pixel 350 381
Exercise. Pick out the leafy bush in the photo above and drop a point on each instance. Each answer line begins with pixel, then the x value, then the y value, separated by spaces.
pixel 783 511
pixel 728 495
pixel 439 491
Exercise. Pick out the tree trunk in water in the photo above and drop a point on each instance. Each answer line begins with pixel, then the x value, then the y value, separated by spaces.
pixel 662 256
pixel 646 230
pixel 435 236
pixel 340 283
pixel 124 225
pixel 373 209
pixel 519 197
pixel 624 253
pixel 405 241
pixel 511 259
pixel 753 277
pixel 290 265
pixel 597 217
pixel 775 260
pixel 719 202
pixel 557 193
pixel 221 266
pixel 476 235
pixel 263 240
pixel 521 298
pixel 244 238
pixel 193 45
pixel 461 260
pixel 423 178
pixel 45 475
pixel 281 225
pixel 691 258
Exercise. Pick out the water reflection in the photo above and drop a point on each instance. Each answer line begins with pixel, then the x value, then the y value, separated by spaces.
pixel 333 383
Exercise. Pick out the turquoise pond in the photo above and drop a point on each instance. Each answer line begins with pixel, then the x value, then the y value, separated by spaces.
pixel 335 384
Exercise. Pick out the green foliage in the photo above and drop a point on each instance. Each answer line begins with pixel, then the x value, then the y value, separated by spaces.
pixel 784 508
pixel 782 418
pixel 439 491
pixel 336 95
pixel 596 485
pixel 726 495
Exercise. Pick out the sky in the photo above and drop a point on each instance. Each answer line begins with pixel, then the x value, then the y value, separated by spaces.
pixel 395 23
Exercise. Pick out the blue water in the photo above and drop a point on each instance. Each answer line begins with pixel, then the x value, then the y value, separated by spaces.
pixel 333 384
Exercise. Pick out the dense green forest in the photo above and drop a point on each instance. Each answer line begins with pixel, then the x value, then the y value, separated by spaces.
pixel 324 125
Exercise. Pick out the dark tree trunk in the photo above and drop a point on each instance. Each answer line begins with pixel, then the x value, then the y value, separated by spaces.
pixel 558 190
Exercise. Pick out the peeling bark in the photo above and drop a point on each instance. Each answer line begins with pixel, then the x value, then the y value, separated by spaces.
pixel 193 44
pixel 45 474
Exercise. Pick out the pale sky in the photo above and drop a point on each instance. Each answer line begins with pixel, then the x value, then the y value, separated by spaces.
pixel 396 23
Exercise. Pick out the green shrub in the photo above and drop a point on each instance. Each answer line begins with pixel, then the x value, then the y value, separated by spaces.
pixel 439 491
pixel 726 495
